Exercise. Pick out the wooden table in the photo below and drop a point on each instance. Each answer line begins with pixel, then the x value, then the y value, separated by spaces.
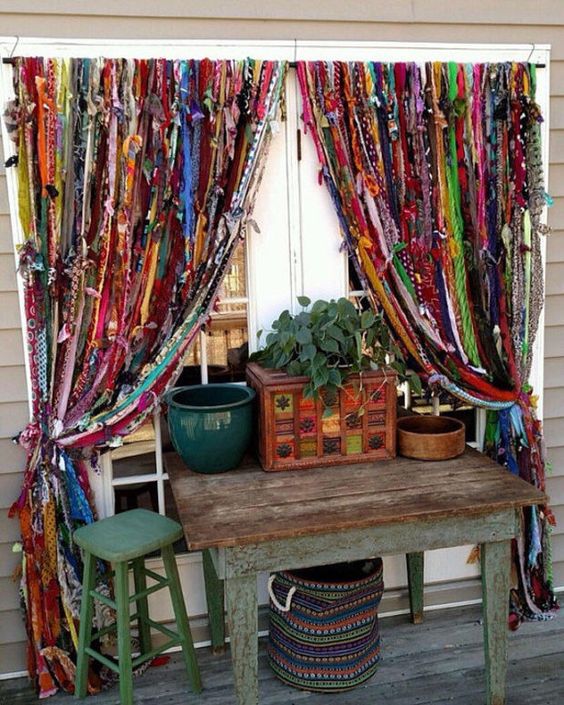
pixel 248 521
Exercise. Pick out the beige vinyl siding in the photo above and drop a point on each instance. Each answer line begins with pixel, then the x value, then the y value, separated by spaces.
pixel 13 416
pixel 482 21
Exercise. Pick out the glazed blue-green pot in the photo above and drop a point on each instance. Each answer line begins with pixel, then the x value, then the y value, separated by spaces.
pixel 211 424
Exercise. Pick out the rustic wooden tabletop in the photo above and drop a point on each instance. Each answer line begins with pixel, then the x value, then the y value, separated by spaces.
pixel 249 505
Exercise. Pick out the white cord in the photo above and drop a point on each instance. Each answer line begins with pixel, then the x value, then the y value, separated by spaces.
pixel 291 591
pixel 15 46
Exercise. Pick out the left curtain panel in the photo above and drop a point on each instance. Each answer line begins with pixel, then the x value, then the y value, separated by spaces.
pixel 135 182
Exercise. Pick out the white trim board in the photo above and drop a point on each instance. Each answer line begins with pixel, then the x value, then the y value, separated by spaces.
pixel 278 49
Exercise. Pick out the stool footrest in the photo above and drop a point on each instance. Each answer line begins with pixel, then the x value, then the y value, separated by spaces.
pixel 150 590
pixel 102 598
pixel 174 640
pixel 155 576
pixel 102 632
pixel 160 627
pixel 155 652
pixel 102 659
pixel 110 628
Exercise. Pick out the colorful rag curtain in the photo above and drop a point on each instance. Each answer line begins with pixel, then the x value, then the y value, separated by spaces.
pixel 136 180
pixel 435 173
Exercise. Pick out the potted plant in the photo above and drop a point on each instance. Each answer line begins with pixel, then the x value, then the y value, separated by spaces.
pixel 326 383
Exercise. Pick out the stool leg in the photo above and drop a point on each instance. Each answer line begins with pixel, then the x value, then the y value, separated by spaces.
pixel 181 617
pixel 85 630
pixel 121 588
pixel 142 606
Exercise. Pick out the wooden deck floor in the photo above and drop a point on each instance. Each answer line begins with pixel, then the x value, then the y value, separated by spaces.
pixel 439 662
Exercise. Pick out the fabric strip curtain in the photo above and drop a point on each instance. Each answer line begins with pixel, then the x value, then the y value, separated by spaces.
pixel 136 180
pixel 435 173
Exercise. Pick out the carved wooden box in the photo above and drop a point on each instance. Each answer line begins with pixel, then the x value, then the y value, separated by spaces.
pixel 294 433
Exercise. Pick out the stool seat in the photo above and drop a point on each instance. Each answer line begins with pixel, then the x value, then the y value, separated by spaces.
pixel 126 536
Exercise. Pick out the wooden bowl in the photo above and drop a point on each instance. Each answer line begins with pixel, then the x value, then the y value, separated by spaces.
pixel 431 437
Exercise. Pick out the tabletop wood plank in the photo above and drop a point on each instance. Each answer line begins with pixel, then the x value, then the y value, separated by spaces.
pixel 249 505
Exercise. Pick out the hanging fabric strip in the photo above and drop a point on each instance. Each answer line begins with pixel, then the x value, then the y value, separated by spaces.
pixel 136 179
pixel 435 173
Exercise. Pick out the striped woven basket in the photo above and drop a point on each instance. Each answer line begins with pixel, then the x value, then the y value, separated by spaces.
pixel 324 625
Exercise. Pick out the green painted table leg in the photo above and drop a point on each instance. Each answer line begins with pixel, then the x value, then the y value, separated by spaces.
pixel 85 630
pixel 215 601
pixel 495 559
pixel 415 574
pixel 142 606
pixel 121 588
pixel 182 624
pixel 242 618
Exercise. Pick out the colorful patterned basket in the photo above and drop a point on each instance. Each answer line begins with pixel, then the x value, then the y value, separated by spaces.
pixel 324 625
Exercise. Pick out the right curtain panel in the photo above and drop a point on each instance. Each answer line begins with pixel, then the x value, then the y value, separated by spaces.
pixel 435 172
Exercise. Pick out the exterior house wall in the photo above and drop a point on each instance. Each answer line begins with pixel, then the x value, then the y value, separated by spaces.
pixel 404 20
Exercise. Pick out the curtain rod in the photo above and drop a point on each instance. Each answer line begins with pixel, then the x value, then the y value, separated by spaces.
pixel 291 64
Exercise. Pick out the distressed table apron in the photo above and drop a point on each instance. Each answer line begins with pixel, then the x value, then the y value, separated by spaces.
pixel 248 522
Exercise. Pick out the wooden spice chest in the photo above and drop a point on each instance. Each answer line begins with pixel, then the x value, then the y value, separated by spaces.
pixel 293 433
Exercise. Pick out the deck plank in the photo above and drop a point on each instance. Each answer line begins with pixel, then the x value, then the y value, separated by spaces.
pixel 437 663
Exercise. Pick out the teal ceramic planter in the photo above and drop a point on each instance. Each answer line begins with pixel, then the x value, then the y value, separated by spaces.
pixel 211 424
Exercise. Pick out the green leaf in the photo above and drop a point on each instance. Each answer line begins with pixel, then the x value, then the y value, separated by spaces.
pixel 281 359
pixel 319 360
pixel 336 333
pixel 415 383
pixel 304 301
pixel 333 310
pixel 330 345
pixel 294 369
pixel 319 306
pixel 346 308
pixel 309 392
pixel 384 336
pixel 309 351
pixel 348 325
pixel 320 377
pixel 398 367
pixel 367 319
pixel 335 377
pixel 289 345
pixel 358 340
pixel 303 336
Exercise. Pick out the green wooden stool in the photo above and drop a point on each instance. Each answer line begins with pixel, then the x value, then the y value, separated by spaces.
pixel 123 539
